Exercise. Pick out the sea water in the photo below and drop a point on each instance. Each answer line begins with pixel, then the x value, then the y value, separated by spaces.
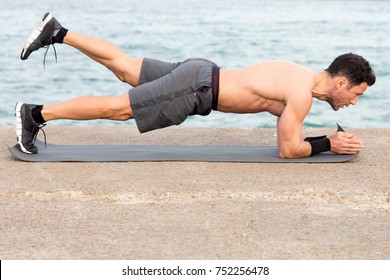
pixel 231 33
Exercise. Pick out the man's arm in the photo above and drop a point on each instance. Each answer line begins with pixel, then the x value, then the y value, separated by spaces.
pixel 290 142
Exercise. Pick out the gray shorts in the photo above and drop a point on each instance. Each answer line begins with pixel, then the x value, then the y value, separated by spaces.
pixel 170 92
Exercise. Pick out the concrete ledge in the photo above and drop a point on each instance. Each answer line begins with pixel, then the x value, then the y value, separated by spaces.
pixel 190 210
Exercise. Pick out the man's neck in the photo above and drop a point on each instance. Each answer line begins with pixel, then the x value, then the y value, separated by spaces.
pixel 322 85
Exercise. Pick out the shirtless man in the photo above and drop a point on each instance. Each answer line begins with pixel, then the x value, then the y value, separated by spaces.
pixel 165 94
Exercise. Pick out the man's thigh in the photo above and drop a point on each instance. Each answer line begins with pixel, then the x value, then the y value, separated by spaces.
pixel 153 69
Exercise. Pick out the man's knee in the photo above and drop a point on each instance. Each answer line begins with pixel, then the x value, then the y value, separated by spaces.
pixel 128 70
pixel 120 108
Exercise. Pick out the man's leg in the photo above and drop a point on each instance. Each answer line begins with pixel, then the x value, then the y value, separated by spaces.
pixel 30 117
pixel 49 31
pixel 89 108
pixel 126 68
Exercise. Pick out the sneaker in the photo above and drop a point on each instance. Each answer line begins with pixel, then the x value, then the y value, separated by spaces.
pixel 26 128
pixel 41 35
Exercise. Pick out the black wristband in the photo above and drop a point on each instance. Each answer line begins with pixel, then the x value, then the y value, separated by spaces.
pixel 319 145
pixel 309 139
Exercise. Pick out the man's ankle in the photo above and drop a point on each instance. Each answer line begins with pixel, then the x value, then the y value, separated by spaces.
pixel 59 36
pixel 36 114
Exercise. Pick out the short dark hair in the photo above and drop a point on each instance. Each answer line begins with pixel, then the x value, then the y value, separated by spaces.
pixel 354 67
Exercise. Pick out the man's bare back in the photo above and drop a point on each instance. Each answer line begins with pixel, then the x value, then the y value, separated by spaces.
pixel 264 87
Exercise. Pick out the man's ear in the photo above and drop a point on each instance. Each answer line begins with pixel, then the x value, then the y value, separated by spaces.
pixel 341 81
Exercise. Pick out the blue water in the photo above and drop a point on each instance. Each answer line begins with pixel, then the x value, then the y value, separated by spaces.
pixel 231 33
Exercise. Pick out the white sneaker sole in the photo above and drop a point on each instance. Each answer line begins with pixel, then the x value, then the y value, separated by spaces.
pixel 19 127
pixel 35 33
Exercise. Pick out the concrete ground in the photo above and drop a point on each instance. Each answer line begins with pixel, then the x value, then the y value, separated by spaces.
pixel 194 210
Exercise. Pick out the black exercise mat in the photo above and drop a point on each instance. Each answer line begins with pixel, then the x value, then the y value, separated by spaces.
pixel 121 153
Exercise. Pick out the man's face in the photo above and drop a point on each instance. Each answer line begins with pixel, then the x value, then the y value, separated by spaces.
pixel 345 95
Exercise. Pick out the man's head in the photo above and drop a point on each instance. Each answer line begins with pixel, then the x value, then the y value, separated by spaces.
pixel 353 67
pixel 352 75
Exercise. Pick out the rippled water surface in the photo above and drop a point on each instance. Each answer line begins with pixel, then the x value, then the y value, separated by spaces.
pixel 231 33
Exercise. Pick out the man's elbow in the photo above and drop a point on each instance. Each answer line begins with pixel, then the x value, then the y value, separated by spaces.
pixel 288 153
pixel 285 156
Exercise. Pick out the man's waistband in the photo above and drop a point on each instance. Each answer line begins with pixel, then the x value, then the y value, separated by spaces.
pixel 215 87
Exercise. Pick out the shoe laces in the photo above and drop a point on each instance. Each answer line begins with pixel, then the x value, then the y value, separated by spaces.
pixel 40 128
pixel 47 49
